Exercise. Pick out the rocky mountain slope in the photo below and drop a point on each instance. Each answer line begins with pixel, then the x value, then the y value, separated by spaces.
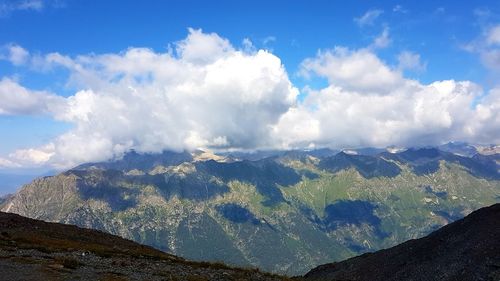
pixel 36 250
pixel 283 212
pixel 465 250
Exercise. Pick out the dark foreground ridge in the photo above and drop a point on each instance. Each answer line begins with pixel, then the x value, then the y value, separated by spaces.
pixel 468 249
pixel 36 250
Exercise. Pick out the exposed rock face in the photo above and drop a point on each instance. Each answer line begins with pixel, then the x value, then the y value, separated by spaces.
pixel 285 213
pixel 467 250
pixel 36 250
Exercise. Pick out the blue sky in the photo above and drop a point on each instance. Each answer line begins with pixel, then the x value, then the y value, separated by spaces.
pixel 297 29
pixel 446 40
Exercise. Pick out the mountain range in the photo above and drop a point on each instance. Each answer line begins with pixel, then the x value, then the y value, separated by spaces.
pixel 280 211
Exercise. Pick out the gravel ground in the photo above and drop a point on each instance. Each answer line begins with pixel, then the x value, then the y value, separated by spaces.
pixel 30 264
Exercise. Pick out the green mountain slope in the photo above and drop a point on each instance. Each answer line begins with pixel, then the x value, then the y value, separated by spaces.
pixel 286 213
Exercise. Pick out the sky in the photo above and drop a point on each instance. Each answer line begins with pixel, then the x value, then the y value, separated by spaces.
pixel 85 81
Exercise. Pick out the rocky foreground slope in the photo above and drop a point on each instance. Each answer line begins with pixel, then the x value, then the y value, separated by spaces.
pixel 466 250
pixel 36 250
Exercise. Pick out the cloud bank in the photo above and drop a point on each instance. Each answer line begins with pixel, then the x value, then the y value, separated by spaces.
pixel 369 103
pixel 203 92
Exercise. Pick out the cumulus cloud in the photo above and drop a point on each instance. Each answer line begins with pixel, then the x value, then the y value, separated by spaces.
pixel 369 17
pixel 368 103
pixel 359 70
pixel 205 92
pixel 29 157
pixel 203 48
pixel 486 122
pixel 17 100
pixel 32 155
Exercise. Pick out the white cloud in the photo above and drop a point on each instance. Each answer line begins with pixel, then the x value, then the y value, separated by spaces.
pixel 399 9
pixel 369 17
pixel 205 92
pixel 30 157
pixel 489 49
pixel 491 59
pixel 6 163
pixel 33 156
pixel 7 7
pixel 410 61
pixel 356 109
pixel 486 121
pixel 30 5
pixel 15 100
pixel 16 54
pixel 383 40
pixel 487 46
pixel 493 36
pixel 268 40
pixel 353 70
pixel 248 46
pixel 203 48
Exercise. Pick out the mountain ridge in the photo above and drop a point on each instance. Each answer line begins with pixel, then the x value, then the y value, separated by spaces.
pixel 284 213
